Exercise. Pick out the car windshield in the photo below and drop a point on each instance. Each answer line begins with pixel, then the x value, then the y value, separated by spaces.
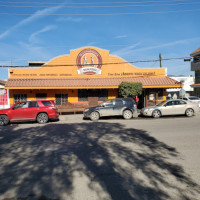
pixel 161 103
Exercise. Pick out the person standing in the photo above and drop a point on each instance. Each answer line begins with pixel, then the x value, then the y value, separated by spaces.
pixel 136 100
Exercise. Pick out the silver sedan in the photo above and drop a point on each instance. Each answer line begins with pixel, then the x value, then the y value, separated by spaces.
pixel 171 107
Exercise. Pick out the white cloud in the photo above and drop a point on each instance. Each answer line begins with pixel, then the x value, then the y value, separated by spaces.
pixel 35 16
pixel 130 50
pixel 121 36
pixel 33 37
pixel 34 52
pixel 125 50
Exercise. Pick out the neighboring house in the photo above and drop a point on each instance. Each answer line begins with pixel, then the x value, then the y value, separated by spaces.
pixel 195 66
pixel 3 95
pixel 185 91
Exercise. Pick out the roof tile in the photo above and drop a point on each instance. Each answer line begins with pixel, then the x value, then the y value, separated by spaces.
pixel 196 51
pixel 89 82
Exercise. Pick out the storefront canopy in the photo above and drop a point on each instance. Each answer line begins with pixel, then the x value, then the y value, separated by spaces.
pixel 196 85
pixel 87 83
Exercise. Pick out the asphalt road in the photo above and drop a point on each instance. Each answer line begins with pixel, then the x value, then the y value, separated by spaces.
pixel 76 159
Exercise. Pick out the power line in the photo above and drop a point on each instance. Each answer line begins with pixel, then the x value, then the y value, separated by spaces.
pixel 105 6
pixel 101 14
pixel 91 3
pixel 130 62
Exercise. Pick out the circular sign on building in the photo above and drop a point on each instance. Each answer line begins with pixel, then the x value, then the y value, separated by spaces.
pixel 89 62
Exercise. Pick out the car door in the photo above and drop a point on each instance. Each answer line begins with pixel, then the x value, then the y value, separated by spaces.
pixel 179 107
pixel 167 109
pixel 107 108
pixel 117 108
pixel 32 110
pixel 19 111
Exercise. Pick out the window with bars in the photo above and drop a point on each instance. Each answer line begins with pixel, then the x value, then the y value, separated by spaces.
pixel 102 95
pixel 61 99
pixel 151 94
pixel 20 97
pixel 83 95
pixel 41 96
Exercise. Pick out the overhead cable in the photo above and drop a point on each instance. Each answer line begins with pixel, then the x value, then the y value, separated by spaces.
pixel 117 63
pixel 102 14
pixel 100 6
pixel 81 3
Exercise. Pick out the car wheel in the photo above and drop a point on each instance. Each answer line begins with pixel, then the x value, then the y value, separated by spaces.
pixel 42 118
pixel 156 114
pixel 4 120
pixel 94 116
pixel 189 112
pixel 127 114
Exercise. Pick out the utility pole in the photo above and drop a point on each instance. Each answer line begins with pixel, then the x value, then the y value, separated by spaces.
pixel 160 58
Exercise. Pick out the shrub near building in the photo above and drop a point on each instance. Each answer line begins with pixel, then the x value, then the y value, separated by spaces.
pixel 130 89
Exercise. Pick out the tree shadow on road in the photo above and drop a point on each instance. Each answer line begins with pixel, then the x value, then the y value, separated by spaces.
pixel 89 161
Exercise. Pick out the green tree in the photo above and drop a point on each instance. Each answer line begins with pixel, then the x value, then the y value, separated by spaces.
pixel 130 89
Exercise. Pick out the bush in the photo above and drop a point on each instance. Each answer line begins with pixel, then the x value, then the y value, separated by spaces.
pixel 130 89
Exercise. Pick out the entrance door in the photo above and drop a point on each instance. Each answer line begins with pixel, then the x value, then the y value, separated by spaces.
pixel 92 98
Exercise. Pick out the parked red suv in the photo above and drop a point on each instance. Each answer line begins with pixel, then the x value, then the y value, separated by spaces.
pixel 39 110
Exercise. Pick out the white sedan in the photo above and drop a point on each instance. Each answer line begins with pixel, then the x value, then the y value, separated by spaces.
pixel 193 99
pixel 171 107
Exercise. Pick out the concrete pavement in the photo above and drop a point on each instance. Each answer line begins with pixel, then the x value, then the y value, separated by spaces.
pixel 137 159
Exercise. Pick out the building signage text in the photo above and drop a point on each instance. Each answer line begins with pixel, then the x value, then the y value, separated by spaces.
pixel 132 74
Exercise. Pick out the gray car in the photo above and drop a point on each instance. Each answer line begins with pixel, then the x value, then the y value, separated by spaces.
pixel 171 107
pixel 125 107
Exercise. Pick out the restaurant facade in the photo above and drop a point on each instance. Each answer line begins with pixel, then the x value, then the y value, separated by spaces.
pixel 85 75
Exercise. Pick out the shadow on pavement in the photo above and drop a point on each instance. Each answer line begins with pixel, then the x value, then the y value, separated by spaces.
pixel 89 161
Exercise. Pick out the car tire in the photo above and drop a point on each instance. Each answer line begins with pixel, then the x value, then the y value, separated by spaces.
pixel 42 118
pixel 127 114
pixel 189 112
pixel 94 116
pixel 4 120
pixel 156 114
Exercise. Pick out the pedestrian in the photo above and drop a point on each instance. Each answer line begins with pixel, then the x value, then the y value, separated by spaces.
pixel 136 100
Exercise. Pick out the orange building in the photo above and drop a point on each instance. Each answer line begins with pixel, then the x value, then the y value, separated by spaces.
pixel 84 74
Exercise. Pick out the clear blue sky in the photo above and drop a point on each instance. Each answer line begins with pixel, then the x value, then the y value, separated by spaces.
pixel 134 30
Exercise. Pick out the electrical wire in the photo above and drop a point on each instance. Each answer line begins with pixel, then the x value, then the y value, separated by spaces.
pixel 118 63
pixel 110 6
pixel 101 14
pixel 90 3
